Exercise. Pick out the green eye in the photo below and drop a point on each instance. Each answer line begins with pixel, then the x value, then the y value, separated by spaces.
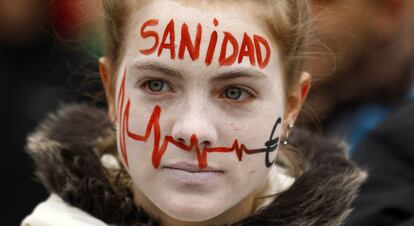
pixel 233 93
pixel 238 95
pixel 155 85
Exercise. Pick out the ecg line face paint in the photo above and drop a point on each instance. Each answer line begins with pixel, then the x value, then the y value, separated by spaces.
pixel 153 128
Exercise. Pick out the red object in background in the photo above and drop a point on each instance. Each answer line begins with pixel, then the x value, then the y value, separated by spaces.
pixel 66 17
pixel 74 18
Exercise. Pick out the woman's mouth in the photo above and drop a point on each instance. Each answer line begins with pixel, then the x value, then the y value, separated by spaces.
pixel 191 174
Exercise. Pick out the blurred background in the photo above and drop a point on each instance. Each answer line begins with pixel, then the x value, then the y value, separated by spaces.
pixel 361 58
pixel 48 56
pixel 360 54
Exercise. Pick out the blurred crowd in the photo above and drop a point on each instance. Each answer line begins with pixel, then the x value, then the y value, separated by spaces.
pixel 361 57
pixel 47 50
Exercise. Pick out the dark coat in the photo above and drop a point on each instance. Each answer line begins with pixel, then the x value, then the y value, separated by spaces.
pixel 67 147
pixel 387 197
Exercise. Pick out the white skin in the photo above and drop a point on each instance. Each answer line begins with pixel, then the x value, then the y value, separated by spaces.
pixel 198 102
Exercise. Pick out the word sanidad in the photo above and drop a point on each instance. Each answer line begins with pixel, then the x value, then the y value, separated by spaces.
pixel 256 49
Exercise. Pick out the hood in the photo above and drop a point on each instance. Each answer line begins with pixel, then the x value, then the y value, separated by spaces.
pixel 67 149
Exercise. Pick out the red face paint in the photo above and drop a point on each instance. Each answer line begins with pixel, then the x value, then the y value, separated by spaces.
pixel 147 34
pixel 305 90
pixel 212 45
pixel 168 32
pixel 248 48
pixel 153 127
pixel 224 59
pixel 193 49
pixel 260 61
pixel 121 135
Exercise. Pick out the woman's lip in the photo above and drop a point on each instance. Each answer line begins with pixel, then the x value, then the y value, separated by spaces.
pixel 194 178
pixel 190 167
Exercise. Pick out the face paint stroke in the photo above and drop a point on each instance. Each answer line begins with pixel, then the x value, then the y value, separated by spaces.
pixel 120 102
pixel 249 47
pixel 158 151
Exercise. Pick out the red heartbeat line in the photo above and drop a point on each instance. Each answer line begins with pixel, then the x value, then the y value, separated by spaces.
pixel 159 150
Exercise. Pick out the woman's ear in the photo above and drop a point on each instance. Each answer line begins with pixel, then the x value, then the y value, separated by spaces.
pixel 106 73
pixel 296 98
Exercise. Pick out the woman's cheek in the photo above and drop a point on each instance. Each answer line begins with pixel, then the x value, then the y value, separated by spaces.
pixel 138 153
pixel 252 167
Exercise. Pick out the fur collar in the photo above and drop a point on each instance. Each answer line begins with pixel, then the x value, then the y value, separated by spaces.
pixel 68 145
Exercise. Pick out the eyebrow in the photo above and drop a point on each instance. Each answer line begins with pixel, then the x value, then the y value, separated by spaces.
pixel 225 76
pixel 154 66
pixel 238 73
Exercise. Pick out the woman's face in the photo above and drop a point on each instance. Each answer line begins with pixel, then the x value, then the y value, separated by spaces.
pixel 198 124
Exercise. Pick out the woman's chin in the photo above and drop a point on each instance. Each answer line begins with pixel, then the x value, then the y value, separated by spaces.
pixel 192 208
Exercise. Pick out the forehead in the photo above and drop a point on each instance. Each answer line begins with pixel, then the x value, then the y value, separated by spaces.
pixel 203 11
pixel 220 19
pixel 231 15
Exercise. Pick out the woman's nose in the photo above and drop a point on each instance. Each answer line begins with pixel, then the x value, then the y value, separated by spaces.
pixel 195 123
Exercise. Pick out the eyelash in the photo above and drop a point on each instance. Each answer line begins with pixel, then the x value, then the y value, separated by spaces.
pixel 145 85
pixel 246 91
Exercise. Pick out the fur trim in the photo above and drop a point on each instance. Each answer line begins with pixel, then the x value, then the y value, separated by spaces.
pixel 68 145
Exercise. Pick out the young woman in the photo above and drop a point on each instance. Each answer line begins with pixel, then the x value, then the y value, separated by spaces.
pixel 202 96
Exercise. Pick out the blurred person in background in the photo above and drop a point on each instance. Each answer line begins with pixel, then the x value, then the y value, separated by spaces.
pixel 37 66
pixel 362 59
